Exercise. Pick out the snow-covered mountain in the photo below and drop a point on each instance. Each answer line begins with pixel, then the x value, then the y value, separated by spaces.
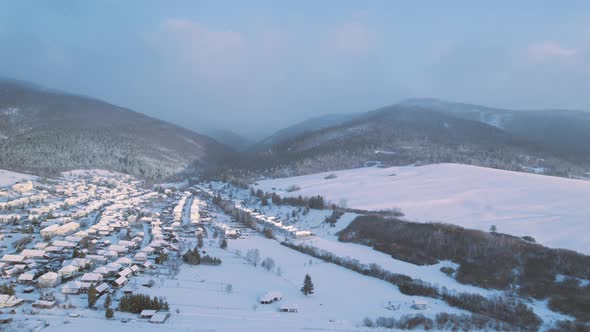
pixel 423 132
pixel 44 132
pixel 563 131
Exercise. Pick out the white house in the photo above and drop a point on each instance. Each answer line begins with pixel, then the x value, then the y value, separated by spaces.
pixel 33 253
pixel 419 305
pixel 48 280
pixel 91 277
pixel 9 301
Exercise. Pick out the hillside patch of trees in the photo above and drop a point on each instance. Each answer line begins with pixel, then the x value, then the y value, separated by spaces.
pixel 489 260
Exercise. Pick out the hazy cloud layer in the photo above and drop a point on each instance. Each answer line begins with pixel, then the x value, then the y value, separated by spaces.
pixel 254 67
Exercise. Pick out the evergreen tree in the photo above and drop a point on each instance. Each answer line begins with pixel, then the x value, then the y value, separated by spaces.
pixel 200 241
pixel 223 244
pixel 107 302
pixel 307 288
pixel 109 313
pixel 92 295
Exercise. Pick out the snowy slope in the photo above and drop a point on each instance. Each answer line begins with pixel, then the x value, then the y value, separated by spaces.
pixel 552 210
pixel 8 178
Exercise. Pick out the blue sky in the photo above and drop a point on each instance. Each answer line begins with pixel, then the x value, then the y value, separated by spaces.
pixel 256 66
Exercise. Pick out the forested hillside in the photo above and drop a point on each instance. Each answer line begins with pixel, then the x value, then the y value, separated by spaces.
pixel 407 134
pixel 44 132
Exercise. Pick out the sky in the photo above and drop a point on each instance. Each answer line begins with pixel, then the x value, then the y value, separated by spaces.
pixel 254 67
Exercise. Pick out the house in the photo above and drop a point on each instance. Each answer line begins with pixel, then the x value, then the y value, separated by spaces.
pixel 12 259
pixel 102 288
pixel 124 261
pixel 33 253
pixel 140 257
pixel 231 233
pixel 9 301
pixel 49 231
pixel 63 244
pixel 67 271
pixel 67 229
pixel 40 245
pixel 72 287
pixel 147 313
pixel 125 272
pixel 271 297
pixel 49 280
pixel 101 270
pixel 43 304
pixel 26 278
pixel 289 308
pixel 91 277
pixel 419 305
pixel 159 317
pixel 120 282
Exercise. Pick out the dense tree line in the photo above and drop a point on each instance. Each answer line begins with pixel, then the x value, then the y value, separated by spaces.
pixel 489 260
pixel 442 321
pixel 135 303
pixel 314 202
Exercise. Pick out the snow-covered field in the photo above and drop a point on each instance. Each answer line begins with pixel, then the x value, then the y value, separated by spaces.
pixel 555 211
pixel 8 178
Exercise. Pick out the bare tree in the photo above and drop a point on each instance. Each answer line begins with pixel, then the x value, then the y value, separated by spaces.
pixel 268 264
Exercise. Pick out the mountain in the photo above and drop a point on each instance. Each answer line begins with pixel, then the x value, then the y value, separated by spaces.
pixel 565 132
pixel 411 133
pixel 309 125
pixel 44 132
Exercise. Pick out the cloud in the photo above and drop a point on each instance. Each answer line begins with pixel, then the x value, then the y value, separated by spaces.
pixel 353 39
pixel 201 36
pixel 549 51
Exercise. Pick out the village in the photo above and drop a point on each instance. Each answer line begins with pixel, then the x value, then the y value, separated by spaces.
pixel 95 236
pixel 92 248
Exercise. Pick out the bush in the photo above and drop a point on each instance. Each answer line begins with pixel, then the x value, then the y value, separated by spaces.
pixel 268 233
pixel 109 313
pixel 330 176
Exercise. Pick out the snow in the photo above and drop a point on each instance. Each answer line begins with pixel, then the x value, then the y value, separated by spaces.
pixel 551 209
pixel 8 178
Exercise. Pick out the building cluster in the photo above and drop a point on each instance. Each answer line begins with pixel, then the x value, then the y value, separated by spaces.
pixel 87 231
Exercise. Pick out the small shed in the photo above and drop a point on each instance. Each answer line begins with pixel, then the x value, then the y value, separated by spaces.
pixel 147 313
pixel 43 304
pixel 419 305
pixel 289 308
pixel 159 317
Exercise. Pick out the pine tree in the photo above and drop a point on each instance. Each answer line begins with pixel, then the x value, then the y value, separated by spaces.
pixel 109 313
pixel 107 302
pixel 223 244
pixel 92 295
pixel 307 288
pixel 200 241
